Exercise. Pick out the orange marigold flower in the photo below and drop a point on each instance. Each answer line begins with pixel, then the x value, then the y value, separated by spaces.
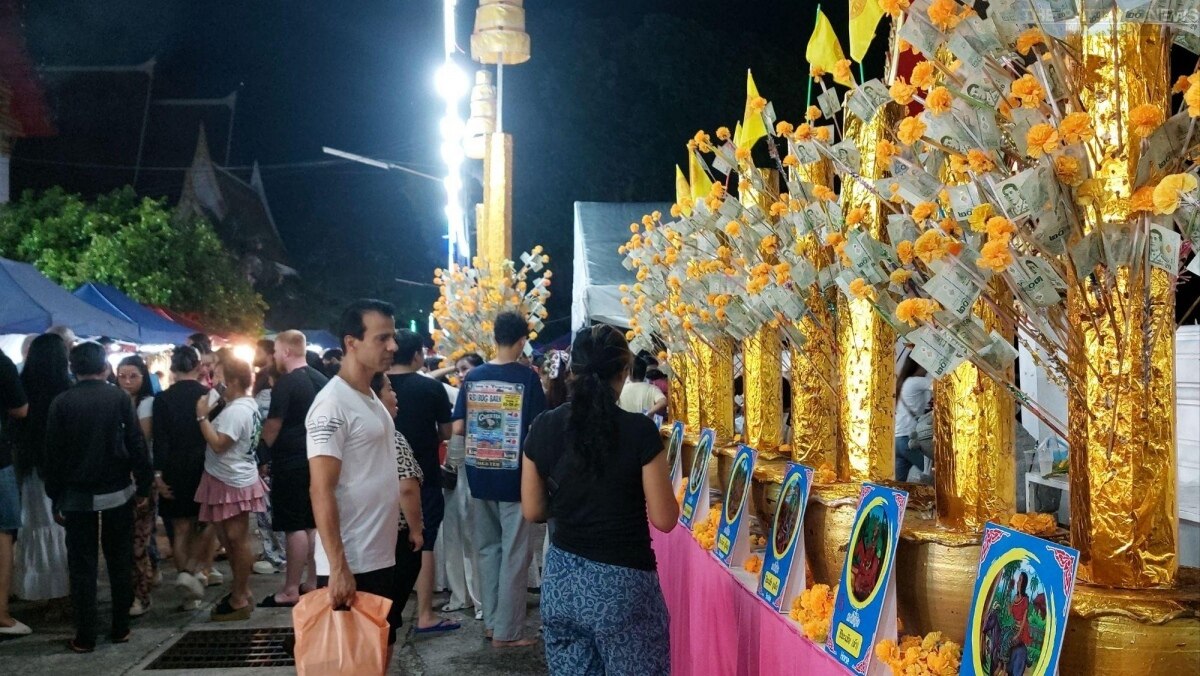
pixel 1066 168
pixel 733 228
pixel 824 193
pixel 1041 138
pixel 885 150
pixel 924 210
pixel 1145 119
pixel 1029 38
pixel 835 238
pixel 904 251
pixel 823 134
pixel 1076 128
pixel 860 289
pixel 995 255
pixel 910 310
pixel 893 7
pixel 930 246
pixel 791 161
pixel 723 133
pixel 742 154
pixel 902 92
pixel 1028 91
pixel 938 100
pixel 979 217
pixel 911 130
pixel 1192 96
pixel 999 227
pixel 841 70
pixel 923 74
pixel 855 216
pixel 757 104
pixel 783 128
pixel 1142 199
pixel 817 72
pixel 1181 85
pixel 900 276
pixel 1167 192
pixel 981 162
pixel 803 133
pixel 812 114
pixel 944 14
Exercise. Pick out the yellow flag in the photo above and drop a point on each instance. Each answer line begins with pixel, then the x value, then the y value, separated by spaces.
pixel 682 191
pixel 864 17
pixel 700 182
pixel 824 50
pixel 752 122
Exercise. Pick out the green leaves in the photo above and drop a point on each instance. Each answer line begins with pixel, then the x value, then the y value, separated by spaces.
pixel 137 245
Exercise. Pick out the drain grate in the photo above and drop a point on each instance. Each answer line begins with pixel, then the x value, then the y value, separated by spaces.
pixel 227 649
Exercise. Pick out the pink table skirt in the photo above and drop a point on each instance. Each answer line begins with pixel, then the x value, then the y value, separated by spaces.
pixel 719 627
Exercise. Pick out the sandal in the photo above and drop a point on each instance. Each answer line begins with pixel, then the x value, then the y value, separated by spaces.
pixel 76 648
pixel 442 625
pixel 271 602
pixel 225 612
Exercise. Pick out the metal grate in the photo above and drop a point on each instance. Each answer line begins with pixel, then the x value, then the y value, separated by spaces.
pixel 229 648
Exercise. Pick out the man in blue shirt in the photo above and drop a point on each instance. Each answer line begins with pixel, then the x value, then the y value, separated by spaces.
pixel 496 404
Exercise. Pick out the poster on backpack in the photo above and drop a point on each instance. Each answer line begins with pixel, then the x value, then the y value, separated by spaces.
pixel 864 611
pixel 695 497
pixel 733 536
pixel 782 575
pixel 674 447
pixel 1019 610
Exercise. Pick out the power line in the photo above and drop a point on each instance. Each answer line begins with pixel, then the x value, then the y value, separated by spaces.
pixel 308 164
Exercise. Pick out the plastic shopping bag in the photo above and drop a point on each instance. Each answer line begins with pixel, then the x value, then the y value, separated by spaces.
pixel 340 642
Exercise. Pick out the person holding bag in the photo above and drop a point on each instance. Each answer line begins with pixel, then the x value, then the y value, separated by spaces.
pixel 914 395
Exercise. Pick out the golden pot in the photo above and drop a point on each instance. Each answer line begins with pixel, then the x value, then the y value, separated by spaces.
pixel 935 577
pixel 1134 631
pixel 827 524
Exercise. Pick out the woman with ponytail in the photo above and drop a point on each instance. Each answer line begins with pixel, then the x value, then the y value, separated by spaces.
pixel 601 474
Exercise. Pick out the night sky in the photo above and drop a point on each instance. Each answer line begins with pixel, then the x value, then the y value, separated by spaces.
pixel 600 113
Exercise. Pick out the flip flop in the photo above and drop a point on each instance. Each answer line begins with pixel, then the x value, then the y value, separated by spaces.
pixel 442 625
pixel 271 602
pixel 225 612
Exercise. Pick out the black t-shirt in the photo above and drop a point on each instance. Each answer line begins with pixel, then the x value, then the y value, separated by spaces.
pixel 423 405
pixel 602 518
pixel 178 444
pixel 12 395
pixel 291 398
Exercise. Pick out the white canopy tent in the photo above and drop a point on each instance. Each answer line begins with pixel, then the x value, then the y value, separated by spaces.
pixel 600 228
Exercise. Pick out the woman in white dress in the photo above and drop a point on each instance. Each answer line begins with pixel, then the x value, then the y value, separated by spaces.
pixel 40 568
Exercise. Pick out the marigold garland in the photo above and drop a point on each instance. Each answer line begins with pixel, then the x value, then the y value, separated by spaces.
pixel 931 655
pixel 813 609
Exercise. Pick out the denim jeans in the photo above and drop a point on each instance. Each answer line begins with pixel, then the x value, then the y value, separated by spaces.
pixel 907 458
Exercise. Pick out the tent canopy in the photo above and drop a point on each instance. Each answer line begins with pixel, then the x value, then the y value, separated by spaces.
pixel 153 328
pixel 600 228
pixel 31 303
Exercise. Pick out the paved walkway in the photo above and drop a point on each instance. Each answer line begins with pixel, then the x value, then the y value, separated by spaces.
pixel 44 653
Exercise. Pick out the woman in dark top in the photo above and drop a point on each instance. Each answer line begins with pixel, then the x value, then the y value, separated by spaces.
pixel 600 472
pixel 178 466
pixel 40 571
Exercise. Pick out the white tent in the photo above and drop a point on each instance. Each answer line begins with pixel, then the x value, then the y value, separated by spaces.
pixel 600 228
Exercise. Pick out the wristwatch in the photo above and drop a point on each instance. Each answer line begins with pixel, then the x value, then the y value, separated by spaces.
pixel 201 418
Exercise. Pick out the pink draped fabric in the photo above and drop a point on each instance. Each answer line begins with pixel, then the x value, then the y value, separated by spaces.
pixel 721 628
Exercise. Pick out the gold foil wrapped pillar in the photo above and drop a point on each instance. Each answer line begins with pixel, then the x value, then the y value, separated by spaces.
pixel 1121 416
pixel 762 355
pixel 677 389
pixel 974 419
pixel 866 351
pixel 814 417
pixel 494 233
pixel 714 364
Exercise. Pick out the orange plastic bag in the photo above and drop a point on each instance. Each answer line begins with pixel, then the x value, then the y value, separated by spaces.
pixel 340 642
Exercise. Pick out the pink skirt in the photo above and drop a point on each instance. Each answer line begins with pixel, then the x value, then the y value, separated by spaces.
pixel 220 501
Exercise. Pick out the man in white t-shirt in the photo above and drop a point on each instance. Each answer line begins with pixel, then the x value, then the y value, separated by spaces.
pixel 639 396
pixel 352 464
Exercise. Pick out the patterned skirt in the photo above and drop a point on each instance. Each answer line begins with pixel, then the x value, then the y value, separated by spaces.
pixel 603 619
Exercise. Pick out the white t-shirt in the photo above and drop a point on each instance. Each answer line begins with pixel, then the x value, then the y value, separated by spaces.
pixel 241 422
pixel 639 397
pixel 355 428
pixel 145 408
pixel 915 395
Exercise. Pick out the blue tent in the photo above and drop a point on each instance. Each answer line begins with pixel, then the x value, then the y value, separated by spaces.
pixel 31 303
pixel 153 328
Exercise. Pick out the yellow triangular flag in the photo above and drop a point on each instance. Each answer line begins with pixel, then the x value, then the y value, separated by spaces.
pixel 752 122
pixel 737 135
pixel 824 50
pixel 864 17
pixel 683 191
pixel 700 182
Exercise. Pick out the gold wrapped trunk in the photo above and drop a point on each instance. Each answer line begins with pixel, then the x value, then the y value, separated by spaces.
pixel 715 365
pixel 677 390
pixel 1121 415
pixel 762 355
pixel 495 232
pixel 814 416
pixel 691 382
pixel 866 352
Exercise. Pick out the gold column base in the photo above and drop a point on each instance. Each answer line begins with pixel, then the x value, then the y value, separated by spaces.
pixel 827 524
pixel 1134 631
pixel 938 568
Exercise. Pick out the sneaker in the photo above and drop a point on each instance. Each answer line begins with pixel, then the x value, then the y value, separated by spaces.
pixel 138 608
pixel 264 568
pixel 215 578
pixel 479 614
pixel 191 605
pixel 190 585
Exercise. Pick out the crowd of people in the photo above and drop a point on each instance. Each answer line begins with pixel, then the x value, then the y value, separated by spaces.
pixel 363 470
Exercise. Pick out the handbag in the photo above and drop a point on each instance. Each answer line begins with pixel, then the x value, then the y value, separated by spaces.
pixel 449 477
pixel 921 438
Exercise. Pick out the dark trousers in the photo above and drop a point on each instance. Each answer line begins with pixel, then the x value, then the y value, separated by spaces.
pixel 408 567
pixel 112 530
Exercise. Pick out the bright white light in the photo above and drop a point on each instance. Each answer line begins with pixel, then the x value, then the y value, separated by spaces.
pixel 452 128
pixel 452 155
pixel 451 82
pixel 244 353
pixel 454 213
pixel 453 184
